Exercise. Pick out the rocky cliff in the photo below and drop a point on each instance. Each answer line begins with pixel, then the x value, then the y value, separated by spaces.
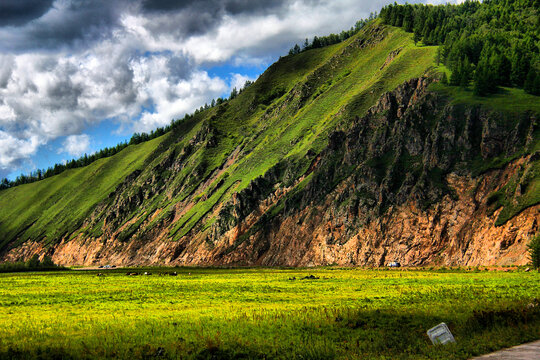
pixel 400 184
pixel 419 179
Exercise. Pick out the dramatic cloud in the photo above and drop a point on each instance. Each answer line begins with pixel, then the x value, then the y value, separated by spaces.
pixel 17 12
pixel 67 65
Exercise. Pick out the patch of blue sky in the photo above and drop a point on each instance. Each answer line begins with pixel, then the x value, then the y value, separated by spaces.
pixel 107 133
pixel 226 71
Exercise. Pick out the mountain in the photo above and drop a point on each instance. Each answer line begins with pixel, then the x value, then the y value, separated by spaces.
pixel 350 154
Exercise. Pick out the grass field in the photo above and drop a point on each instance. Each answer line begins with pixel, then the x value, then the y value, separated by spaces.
pixel 263 313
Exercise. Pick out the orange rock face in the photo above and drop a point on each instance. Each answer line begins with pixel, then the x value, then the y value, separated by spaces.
pixel 410 182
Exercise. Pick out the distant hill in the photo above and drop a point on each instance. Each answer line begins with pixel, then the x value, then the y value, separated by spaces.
pixel 353 154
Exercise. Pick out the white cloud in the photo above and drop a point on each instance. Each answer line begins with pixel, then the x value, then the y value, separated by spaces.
pixel 76 145
pixel 238 81
pixel 12 150
pixel 170 100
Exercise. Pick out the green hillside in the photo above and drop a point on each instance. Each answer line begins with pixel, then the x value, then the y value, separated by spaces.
pixel 289 110
pixel 54 207
pixel 280 123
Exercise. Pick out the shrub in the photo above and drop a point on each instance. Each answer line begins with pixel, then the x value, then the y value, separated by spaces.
pixel 534 251
pixel 33 264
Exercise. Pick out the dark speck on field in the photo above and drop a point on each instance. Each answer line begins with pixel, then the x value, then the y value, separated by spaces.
pixel 310 277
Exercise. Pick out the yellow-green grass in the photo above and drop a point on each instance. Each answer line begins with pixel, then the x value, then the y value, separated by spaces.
pixel 262 313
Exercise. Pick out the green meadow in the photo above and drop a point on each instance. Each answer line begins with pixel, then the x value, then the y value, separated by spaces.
pixel 265 313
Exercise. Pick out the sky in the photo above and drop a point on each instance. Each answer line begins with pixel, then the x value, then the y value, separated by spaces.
pixel 80 75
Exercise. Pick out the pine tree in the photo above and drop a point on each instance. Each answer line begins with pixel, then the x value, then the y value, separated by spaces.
pixel 481 81
pixel 408 19
pixel 534 251
pixel 417 37
pixel 532 82
pixel 536 85
pixel 444 79
pixel 316 43
pixel 465 73
pixel 485 76
pixel 455 77
pixel 4 184
pixel 520 66
pixel 501 68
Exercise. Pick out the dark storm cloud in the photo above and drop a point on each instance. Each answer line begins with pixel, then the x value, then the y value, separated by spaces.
pixel 200 16
pixel 82 22
pixel 19 12
pixel 61 24
pixel 233 7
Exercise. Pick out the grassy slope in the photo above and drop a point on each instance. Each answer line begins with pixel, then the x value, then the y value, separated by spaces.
pixel 260 313
pixel 59 205
pixel 507 99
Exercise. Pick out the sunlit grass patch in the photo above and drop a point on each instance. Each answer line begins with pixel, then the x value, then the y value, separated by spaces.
pixel 264 313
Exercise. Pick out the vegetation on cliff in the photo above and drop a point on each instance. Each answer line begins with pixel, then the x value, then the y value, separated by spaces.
pixel 534 251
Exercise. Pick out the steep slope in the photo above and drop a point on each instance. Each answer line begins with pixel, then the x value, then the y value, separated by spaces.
pixel 265 178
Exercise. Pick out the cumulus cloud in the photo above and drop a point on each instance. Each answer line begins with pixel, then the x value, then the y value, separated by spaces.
pixel 66 65
pixel 76 145
pixel 13 149
pixel 238 81
pixel 169 96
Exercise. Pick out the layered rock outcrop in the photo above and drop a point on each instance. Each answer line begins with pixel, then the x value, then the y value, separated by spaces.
pixel 418 179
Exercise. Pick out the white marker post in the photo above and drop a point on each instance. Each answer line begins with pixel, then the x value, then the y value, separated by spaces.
pixel 441 334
